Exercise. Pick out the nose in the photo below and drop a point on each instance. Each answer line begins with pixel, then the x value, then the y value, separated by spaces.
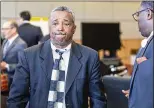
pixel 60 27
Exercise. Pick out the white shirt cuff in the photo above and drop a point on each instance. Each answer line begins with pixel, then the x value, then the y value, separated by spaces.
pixel 7 67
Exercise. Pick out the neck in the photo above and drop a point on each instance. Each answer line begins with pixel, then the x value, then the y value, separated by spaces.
pixel 62 47
pixel 13 35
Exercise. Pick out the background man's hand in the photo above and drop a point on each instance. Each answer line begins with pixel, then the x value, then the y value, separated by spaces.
pixel 126 93
pixel 141 59
pixel 3 65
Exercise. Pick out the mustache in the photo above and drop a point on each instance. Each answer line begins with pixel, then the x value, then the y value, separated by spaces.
pixel 59 33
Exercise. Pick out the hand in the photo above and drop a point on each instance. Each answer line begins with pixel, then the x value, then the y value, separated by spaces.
pixel 3 65
pixel 141 59
pixel 126 93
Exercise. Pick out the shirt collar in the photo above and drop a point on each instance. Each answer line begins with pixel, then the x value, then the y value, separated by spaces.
pixel 145 41
pixel 64 49
pixel 25 22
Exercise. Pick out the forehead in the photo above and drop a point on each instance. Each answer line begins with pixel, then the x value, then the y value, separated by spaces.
pixel 61 15
pixel 6 25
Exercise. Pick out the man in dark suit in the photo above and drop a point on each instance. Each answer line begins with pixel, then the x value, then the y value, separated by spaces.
pixel 10 48
pixel 66 86
pixel 29 33
pixel 45 38
pixel 141 85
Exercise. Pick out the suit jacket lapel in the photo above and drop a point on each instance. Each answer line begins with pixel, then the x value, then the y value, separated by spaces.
pixel 46 60
pixel 11 46
pixel 74 66
pixel 140 54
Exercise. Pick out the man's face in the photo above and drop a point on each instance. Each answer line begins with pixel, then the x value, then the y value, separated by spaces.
pixel 142 21
pixel 61 28
pixel 7 30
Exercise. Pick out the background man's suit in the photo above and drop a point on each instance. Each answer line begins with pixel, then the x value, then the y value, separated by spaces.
pixel 30 34
pixel 141 87
pixel 83 78
pixel 11 55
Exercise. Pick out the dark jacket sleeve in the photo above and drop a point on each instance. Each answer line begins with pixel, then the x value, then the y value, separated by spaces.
pixel 19 91
pixel 97 98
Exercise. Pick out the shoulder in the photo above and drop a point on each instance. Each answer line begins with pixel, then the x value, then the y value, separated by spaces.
pixel 85 49
pixel 20 41
pixel 33 49
pixel 86 52
pixel 34 26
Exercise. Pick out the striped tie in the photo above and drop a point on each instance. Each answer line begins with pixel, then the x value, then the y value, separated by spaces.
pixel 57 83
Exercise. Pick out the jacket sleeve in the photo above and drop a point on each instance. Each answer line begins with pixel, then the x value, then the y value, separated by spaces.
pixel 97 98
pixel 19 91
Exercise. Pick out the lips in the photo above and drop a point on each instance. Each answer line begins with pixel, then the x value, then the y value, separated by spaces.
pixel 60 36
pixel 60 33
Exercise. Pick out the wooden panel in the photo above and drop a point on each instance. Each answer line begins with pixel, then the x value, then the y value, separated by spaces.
pixel 125 52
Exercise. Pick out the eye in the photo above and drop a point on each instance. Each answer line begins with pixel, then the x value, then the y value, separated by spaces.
pixel 66 24
pixel 54 23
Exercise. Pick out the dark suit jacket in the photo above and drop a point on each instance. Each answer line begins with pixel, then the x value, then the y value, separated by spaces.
pixel 141 85
pixel 30 34
pixel 11 56
pixel 34 70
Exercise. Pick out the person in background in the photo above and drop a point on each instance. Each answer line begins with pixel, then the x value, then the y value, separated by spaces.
pixel 59 72
pixel 141 86
pixel 29 33
pixel 45 38
pixel 2 39
pixel 12 45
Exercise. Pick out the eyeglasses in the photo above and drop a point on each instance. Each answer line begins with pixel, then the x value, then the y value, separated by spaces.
pixel 6 28
pixel 136 14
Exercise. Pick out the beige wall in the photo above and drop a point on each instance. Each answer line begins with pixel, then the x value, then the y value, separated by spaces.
pixel 84 12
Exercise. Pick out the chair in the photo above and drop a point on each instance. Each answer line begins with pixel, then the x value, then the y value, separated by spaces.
pixel 113 87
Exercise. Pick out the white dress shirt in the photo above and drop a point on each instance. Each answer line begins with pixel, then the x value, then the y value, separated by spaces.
pixel 145 41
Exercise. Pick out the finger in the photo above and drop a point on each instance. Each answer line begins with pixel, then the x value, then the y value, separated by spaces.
pixel 127 95
pixel 125 91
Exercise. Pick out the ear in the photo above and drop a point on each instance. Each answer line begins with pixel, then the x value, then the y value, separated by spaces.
pixel 74 28
pixel 14 29
pixel 150 14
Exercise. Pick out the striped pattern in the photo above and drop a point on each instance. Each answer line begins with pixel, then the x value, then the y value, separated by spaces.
pixel 57 84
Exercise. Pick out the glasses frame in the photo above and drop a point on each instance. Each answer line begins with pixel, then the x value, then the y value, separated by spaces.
pixel 7 28
pixel 136 14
